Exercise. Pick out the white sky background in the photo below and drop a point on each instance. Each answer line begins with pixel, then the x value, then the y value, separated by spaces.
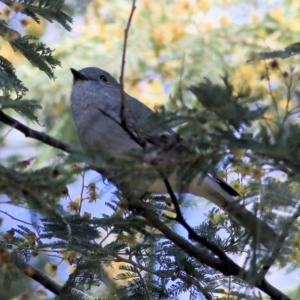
pixel 17 143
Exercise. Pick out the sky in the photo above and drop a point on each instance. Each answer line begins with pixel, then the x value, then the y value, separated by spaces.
pixel 15 139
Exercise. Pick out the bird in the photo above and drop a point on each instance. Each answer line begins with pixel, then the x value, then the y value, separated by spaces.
pixel 109 124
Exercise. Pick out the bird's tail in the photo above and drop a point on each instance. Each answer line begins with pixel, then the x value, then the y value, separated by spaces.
pixel 220 194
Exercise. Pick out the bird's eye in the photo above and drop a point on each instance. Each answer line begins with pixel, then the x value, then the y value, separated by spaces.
pixel 103 78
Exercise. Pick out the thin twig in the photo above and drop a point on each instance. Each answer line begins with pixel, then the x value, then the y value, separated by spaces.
pixel 123 96
pixel 180 95
pixel 24 222
pixel 270 259
pixel 125 128
pixel 193 235
pixel 81 193
pixel 200 255
pixel 274 102
pixel 124 100
pixel 228 269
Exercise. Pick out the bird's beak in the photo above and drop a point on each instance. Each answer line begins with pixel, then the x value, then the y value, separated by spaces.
pixel 77 75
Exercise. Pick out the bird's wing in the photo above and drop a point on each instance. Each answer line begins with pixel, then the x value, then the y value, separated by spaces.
pixel 164 135
pixel 137 116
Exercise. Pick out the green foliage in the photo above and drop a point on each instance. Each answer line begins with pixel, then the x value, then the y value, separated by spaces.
pixel 49 10
pixel 24 107
pixel 220 100
pixel 36 52
pixel 287 52
pixel 222 121
pixel 8 79
pixel 40 189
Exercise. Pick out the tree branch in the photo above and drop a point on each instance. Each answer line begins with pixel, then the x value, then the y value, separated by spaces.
pixel 39 276
pixel 228 268
pixel 200 255
pixel 124 101
pixel 192 234
pixel 37 135
pixel 19 220
pixel 269 260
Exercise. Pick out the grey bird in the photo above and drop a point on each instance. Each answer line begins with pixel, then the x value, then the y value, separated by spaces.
pixel 96 107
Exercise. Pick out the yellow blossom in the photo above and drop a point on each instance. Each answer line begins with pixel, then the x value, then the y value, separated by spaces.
pixel 296 240
pixel 284 103
pixel 17 7
pixel 8 236
pixel 34 253
pixel 261 33
pixel 158 35
pixel 34 28
pixel 123 204
pixel 238 153
pixel 11 35
pixel 261 91
pixel 276 14
pixel 245 74
pixel 73 206
pixel 237 186
pixel 65 192
pixel 92 191
pixel 30 271
pixel 224 20
pixel 31 238
pixel 69 255
pixel 71 269
pixel 257 173
pixel 293 187
pixel 145 3
pixel 75 168
pixel 219 218
pixel 204 5
pixel 296 255
pixel 115 268
pixel 246 169
pixel 292 82
pixel 252 56
pixel 41 293
pixel 4 256
pixel 4 14
pixel 222 174
pixel 87 215
pixel 211 216
pixel 269 115
pixel 9 267
pixel 274 64
pixel 130 239
pixel 23 296
pixel 254 18
pixel 3 251
pixel 295 25
pixel 177 30
pixel 51 269
pixel 208 26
